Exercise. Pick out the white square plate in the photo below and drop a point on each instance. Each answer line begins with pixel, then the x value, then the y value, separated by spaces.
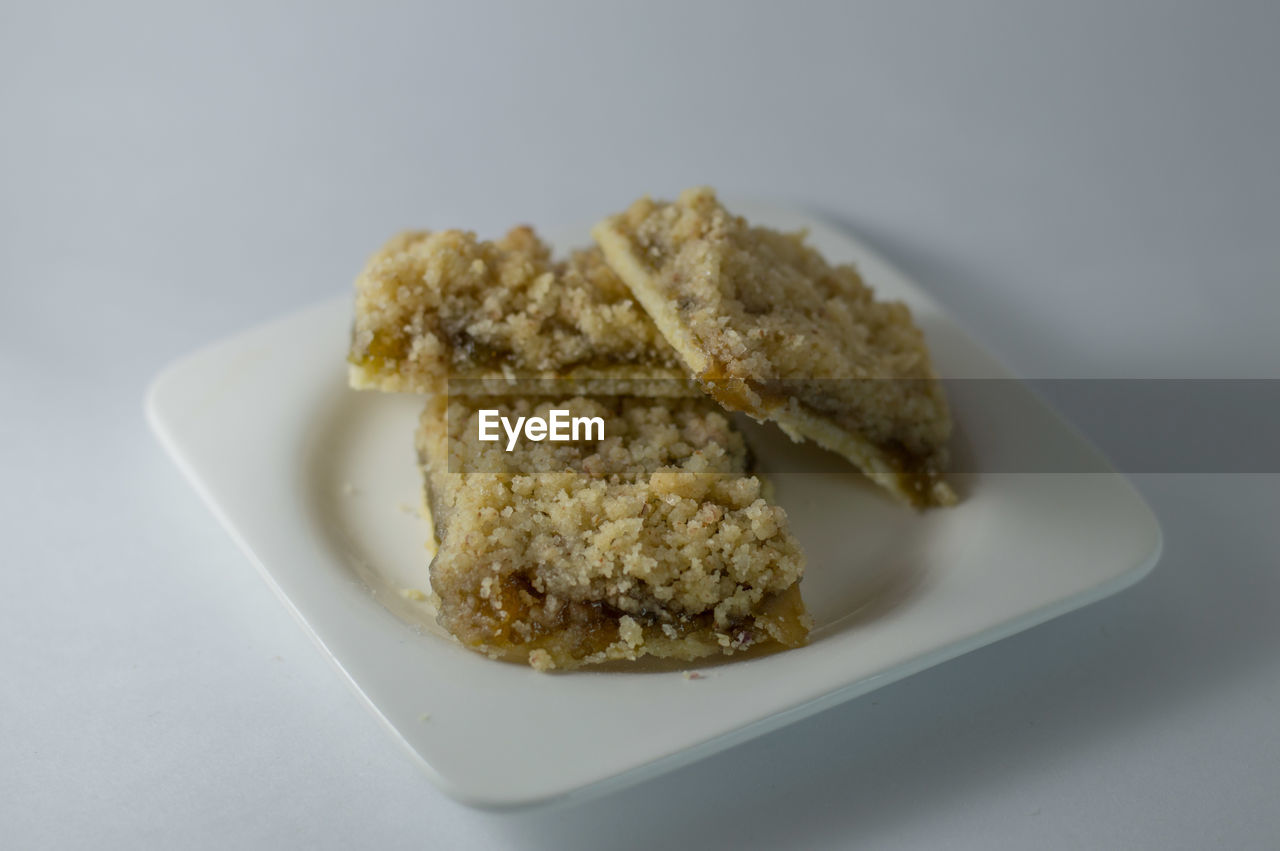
pixel 318 485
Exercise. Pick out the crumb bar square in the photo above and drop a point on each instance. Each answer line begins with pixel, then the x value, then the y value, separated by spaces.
pixel 770 328
pixel 435 306
pixel 653 541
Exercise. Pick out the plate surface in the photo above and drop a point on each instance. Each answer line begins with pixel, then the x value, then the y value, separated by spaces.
pixel 318 485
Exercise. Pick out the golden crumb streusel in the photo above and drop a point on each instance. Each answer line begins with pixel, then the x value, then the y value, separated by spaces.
pixel 653 541
pixel 770 328
pixel 431 306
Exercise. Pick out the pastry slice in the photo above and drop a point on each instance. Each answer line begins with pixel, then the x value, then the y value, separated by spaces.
pixel 506 317
pixel 770 328
pixel 653 541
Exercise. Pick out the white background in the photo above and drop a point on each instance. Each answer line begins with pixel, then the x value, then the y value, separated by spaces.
pixel 1092 188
